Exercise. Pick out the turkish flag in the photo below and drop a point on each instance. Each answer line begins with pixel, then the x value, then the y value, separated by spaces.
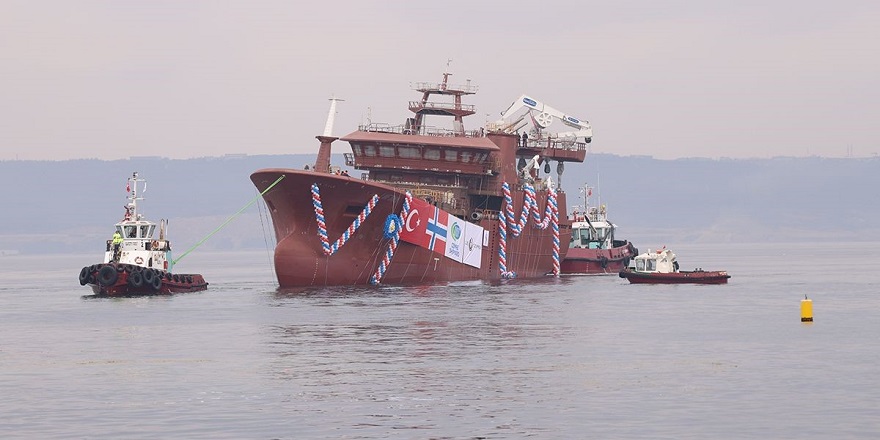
pixel 416 222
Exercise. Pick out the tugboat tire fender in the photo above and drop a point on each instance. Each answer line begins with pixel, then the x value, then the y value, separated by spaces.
pixel 148 276
pixel 136 279
pixel 157 283
pixel 84 276
pixel 107 276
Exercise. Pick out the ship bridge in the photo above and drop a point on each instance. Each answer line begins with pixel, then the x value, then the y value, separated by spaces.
pixel 395 149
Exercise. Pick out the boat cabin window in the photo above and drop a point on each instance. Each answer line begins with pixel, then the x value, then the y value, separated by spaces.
pixel 386 151
pixel 466 156
pixel 370 150
pixel 646 265
pixel 585 236
pixel 130 231
pixel 147 231
pixel 432 154
pixel 450 155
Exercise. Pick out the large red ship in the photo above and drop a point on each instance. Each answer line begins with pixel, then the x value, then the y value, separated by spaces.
pixel 432 204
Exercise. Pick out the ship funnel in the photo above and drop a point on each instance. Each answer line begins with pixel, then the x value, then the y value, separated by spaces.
pixel 331 116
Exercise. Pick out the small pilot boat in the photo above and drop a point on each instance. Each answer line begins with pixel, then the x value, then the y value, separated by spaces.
pixel 660 267
pixel 135 262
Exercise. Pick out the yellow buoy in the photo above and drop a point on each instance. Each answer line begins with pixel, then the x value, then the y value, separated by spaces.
pixel 806 309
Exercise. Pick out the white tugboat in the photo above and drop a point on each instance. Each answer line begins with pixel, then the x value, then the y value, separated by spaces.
pixel 136 261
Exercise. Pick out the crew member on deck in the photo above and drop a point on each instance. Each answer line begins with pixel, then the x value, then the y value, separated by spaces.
pixel 117 240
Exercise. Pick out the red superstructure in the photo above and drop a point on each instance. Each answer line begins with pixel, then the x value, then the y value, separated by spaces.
pixel 431 205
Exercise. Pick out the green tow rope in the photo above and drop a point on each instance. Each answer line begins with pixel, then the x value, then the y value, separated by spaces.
pixel 227 220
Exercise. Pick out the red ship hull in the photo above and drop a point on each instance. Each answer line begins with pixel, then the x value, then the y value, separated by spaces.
pixel 300 259
pixel 581 261
pixel 695 277
pixel 127 280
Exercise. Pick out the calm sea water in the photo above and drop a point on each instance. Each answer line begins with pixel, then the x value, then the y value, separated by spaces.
pixel 575 357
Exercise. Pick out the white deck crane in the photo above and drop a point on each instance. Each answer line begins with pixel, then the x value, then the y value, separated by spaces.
pixel 543 119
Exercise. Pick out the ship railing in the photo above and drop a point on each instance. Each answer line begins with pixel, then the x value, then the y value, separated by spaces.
pixel 428 86
pixel 558 144
pixel 442 106
pixel 423 131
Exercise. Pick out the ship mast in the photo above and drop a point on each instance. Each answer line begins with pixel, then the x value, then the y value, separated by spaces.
pixel 133 196
pixel 331 117
pixel 455 109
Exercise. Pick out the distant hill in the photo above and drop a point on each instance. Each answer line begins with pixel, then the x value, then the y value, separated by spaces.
pixel 71 206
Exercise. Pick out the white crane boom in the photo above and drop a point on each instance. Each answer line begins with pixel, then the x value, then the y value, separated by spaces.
pixel 545 117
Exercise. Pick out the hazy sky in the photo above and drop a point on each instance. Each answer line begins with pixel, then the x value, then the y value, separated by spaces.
pixel 180 78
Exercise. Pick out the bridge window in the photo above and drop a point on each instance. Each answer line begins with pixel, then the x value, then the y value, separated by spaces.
pixel 409 152
pixel 432 154
pixel 370 150
pixel 450 155
pixel 386 151
pixel 466 156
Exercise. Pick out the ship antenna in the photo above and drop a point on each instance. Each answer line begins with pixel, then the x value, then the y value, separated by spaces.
pixel 331 116
pixel 133 212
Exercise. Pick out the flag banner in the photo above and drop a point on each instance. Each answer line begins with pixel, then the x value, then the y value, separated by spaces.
pixel 455 238
pixel 425 226
pixel 472 245
pixel 433 228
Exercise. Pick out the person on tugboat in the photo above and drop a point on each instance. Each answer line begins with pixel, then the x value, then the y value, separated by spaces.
pixel 117 240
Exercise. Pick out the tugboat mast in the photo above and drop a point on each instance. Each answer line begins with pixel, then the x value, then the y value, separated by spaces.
pixel 133 188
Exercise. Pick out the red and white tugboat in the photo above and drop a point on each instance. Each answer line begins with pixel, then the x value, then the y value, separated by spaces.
pixel 593 249
pixel 136 263
pixel 661 268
